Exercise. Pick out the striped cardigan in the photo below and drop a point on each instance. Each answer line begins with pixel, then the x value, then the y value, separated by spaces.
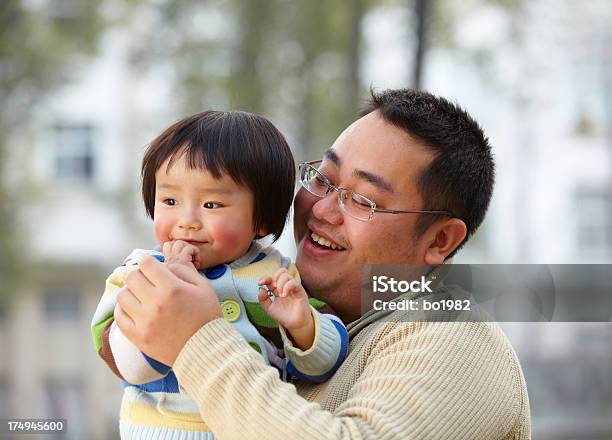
pixel 154 405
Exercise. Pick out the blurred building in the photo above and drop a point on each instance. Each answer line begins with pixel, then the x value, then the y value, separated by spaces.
pixel 544 102
pixel 79 170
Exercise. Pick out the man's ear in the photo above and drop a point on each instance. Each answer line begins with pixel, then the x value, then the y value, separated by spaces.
pixel 446 237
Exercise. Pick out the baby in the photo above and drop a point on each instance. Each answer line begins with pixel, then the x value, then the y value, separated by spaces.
pixel 214 183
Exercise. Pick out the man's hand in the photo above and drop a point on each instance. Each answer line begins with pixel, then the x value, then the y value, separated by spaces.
pixel 164 305
pixel 290 306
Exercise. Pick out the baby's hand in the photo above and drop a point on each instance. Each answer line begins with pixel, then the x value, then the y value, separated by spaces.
pixel 180 252
pixel 290 306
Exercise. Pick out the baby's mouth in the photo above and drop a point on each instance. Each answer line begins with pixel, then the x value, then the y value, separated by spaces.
pixel 192 242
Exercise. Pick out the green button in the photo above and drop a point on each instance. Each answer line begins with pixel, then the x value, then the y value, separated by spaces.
pixel 230 310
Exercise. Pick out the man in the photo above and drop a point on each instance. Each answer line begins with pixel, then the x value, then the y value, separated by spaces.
pixel 407 183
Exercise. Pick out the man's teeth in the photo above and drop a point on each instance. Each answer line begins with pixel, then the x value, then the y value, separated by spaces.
pixel 324 242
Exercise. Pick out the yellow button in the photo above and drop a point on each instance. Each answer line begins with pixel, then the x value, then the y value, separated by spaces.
pixel 230 310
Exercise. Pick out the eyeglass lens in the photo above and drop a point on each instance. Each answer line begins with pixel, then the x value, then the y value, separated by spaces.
pixel 352 203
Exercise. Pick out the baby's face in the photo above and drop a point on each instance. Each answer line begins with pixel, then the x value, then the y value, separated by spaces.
pixel 215 215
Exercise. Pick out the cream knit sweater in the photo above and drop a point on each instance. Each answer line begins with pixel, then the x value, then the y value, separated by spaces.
pixel 401 380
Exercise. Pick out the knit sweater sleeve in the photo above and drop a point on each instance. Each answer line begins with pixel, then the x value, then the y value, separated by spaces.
pixel 324 357
pixel 419 380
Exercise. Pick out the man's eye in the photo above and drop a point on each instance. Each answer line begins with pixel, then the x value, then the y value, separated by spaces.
pixel 212 205
pixel 321 181
pixel 169 202
pixel 360 201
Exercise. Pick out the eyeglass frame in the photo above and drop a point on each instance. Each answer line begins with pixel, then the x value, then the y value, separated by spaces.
pixel 373 208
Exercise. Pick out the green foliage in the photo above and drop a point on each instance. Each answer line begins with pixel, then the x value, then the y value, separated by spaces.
pixel 444 15
pixel 292 61
pixel 38 48
pixel 10 269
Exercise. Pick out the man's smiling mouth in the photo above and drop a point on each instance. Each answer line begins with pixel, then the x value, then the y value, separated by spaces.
pixel 325 242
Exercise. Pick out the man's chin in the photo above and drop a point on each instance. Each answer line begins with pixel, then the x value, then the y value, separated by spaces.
pixel 316 276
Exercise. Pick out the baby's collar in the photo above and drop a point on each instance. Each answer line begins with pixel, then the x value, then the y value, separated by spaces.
pixel 254 250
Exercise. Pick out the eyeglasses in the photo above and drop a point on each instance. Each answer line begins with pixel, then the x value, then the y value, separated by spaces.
pixel 354 204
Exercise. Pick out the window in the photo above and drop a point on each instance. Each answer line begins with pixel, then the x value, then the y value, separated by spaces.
pixel 74 157
pixel 61 303
pixel 594 222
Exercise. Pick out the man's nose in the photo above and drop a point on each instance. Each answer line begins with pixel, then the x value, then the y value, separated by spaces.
pixel 327 209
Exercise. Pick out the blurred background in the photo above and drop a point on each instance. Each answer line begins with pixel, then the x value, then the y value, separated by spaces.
pixel 86 84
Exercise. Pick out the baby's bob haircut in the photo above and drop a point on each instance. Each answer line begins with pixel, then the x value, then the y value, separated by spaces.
pixel 247 147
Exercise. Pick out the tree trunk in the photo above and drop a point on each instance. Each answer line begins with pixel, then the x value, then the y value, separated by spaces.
pixel 420 12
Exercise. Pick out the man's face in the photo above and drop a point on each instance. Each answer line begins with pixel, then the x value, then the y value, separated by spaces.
pixel 381 162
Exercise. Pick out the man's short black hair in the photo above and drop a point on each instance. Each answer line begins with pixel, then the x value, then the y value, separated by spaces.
pixel 460 178
pixel 248 147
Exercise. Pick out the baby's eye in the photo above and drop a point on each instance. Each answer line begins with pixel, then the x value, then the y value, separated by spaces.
pixel 169 202
pixel 212 205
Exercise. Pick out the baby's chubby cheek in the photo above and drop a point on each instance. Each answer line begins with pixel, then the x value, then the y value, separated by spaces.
pixel 228 239
pixel 226 236
pixel 162 232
